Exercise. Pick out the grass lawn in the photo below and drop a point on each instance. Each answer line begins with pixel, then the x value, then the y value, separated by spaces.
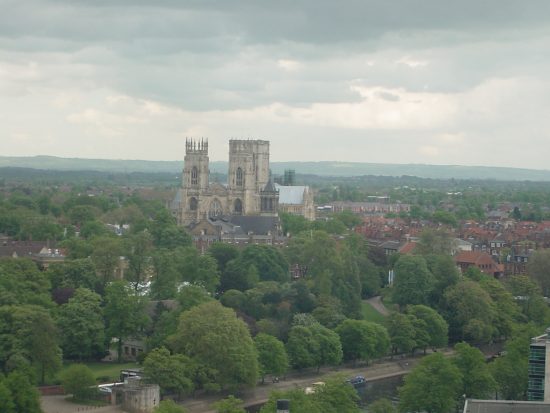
pixel 370 314
pixel 108 372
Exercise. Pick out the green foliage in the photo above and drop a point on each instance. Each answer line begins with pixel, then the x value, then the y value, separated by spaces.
pixel 507 311
pixel 433 386
pixel 214 337
pixel 22 283
pixel 124 313
pixel 229 405
pixel 29 337
pixel 402 332
pixel 335 396
pixel 530 301
pixel 6 399
pixel 477 381
pixel 362 340
pixel 82 327
pixel 437 242
pixel 470 312
pixel 539 269
pixel 24 395
pixel 382 406
pixel 79 381
pixel 269 262
pixel 313 345
pixel 435 326
pixel 413 281
pixel 272 357
pixel 78 273
pixel 511 370
pixel 106 256
pixel 173 373
pixel 169 406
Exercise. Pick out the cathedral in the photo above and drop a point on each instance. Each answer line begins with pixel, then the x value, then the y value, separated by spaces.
pixel 249 190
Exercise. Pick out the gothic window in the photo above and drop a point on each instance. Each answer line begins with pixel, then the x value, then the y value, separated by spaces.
pixel 239 176
pixel 194 176
pixel 238 207
pixel 215 208
pixel 193 204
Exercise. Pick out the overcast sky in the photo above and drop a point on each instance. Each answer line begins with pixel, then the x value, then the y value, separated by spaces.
pixel 434 81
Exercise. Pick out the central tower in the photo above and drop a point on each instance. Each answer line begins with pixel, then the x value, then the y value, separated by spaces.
pixel 248 174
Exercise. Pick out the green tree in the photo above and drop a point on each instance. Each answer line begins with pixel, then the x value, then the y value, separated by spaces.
pixel 529 298
pixel 124 313
pixel 539 269
pixel 272 357
pixel 24 395
pixel 360 340
pixel 507 312
pixel 268 260
pixel 79 273
pixel 106 256
pixel 330 348
pixel 470 312
pixel 302 347
pixel 413 281
pixel 433 386
pixel 213 336
pixel 139 249
pixel 436 326
pixel 200 270
pixel 477 381
pixel 22 283
pixel 511 370
pixel 79 381
pixel 173 373
pixel 229 405
pixel 439 242
pixel 402 333
pixel 81 324
pixel 6 399
pixel 445 274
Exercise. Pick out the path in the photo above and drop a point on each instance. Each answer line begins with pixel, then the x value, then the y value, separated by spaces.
pixel 383 369
pixel 378 305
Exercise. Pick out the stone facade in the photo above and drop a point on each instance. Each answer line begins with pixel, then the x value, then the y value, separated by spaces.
pixel 248 192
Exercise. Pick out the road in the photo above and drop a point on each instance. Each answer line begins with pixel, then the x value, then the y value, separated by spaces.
pixel 383 369
pixel 378 305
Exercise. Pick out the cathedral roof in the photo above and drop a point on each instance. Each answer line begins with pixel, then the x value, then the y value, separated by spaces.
pixel 293 195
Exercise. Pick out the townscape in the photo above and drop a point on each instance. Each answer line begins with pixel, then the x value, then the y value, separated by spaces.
pixel 172 294
pixel 274 206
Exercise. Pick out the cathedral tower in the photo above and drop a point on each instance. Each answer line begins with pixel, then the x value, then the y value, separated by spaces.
pixel 248 174
pixel 195 179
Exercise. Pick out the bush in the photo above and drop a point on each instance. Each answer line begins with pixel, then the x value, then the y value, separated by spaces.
pixel 79 381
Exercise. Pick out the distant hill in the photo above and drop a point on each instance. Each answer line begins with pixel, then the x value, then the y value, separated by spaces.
pixel 338 169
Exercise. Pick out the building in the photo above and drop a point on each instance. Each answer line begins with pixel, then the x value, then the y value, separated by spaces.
pixel 296 200
pixel 249 190
pixel 505 406
pixel 479 259
pixel 538 388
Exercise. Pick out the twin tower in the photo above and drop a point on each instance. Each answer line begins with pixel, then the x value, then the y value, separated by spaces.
pixel 249 190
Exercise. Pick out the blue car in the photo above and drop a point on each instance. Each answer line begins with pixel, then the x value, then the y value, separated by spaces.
pixel 357 381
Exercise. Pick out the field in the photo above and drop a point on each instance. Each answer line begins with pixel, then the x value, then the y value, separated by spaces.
pixel 371 314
